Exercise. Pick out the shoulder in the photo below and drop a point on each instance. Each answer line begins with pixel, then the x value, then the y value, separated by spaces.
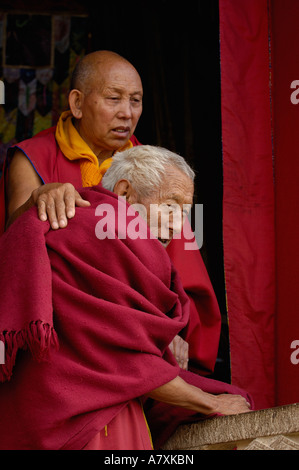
pixel 41 143
pixel 41 151
pixel 39 140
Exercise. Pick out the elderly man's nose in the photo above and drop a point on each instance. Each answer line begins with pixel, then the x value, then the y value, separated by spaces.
pixel 175 224
pixel 125 109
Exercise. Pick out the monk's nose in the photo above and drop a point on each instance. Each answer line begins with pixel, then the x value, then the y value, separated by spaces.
pixel 125 109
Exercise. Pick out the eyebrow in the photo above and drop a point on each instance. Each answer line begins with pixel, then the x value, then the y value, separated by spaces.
pixel 177 198
pixel 120 90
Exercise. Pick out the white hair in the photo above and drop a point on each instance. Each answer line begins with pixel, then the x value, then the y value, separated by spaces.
pixel 144 166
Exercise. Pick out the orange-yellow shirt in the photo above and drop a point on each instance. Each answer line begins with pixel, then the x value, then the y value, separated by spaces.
pixel 75 148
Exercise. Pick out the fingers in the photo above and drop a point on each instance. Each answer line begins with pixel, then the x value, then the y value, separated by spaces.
pixel 180 350
pixel 47 211
pixel 232 404
pixel 56 213
pixel 183 355
pixel 71 200
pixel 56 202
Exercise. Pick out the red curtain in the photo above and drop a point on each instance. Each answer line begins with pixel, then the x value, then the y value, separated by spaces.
pixel 260 120
pixel 248 196
pixel 285 38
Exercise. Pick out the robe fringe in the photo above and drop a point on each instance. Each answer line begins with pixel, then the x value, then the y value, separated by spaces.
pixel 37 337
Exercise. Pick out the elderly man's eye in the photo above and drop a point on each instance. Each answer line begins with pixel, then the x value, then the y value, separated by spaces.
pixel 170 208
pixel 174 207
pixel 136 101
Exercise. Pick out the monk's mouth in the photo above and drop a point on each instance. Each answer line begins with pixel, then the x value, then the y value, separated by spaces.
pixel 122 131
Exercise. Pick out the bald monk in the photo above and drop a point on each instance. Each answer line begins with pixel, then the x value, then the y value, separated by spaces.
pixel 105 104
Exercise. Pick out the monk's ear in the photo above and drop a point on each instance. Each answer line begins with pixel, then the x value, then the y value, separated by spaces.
pixel 125 189
pixel 75 102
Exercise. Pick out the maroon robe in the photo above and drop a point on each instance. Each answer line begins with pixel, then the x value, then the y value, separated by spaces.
pixel 86 328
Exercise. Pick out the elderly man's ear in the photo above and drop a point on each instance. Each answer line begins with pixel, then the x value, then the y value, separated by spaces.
pixel 125 189
pixel 75 102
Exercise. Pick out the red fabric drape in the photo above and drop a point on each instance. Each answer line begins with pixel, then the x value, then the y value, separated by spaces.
pixel 285 37
pixel 248 197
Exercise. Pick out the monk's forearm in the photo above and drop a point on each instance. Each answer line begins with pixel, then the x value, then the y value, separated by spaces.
pixel 177 392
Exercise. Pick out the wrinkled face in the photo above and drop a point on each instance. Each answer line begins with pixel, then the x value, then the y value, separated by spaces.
pixel 167 208
pixel 111 110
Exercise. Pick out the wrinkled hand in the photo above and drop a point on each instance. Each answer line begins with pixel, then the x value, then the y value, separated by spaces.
pixel 56 202
pixel 231 404
pixel 180 350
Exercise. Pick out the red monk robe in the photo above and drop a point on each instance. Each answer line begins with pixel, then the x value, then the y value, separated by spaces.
pixel 96 316
pixel 203 329
pixel 85 337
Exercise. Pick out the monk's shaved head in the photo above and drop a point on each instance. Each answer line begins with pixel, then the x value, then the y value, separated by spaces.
pixel 106 101
pixel 95 65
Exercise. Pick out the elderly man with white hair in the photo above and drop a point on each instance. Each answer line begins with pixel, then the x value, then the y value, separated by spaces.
pixel 158 183
pixel 87 330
